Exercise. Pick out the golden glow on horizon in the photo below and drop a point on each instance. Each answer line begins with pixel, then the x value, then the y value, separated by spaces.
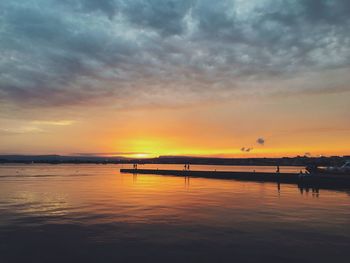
pixel 289 127
pixel 153 148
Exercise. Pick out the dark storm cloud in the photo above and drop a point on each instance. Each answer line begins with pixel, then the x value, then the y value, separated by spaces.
pixel 71 52
pixel 260 141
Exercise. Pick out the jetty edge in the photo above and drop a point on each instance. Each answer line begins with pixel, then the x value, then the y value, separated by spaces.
pixel 312 180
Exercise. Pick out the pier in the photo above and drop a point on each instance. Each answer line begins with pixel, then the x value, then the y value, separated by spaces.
pixel 320 181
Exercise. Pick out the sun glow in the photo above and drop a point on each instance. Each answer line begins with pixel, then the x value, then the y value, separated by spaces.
pixel 141 155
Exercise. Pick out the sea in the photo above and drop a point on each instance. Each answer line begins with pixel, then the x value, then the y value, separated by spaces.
pixel 94 213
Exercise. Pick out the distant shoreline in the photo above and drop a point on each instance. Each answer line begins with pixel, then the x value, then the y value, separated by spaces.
pixel 283 161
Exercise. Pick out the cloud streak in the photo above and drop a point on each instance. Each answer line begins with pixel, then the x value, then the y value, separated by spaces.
pixel 20 130
pixel 54 123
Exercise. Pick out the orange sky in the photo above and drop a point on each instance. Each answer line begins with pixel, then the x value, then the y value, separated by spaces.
pixel 290 125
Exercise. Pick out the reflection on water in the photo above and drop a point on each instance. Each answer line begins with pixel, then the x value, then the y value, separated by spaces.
pixel 240 168
pixel 70 213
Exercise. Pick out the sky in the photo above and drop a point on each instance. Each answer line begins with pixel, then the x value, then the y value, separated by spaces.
pixel 140 78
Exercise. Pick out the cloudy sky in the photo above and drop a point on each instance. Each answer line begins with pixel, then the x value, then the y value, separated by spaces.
pixel 197 77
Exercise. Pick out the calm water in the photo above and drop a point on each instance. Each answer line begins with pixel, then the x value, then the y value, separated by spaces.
pixel 92 213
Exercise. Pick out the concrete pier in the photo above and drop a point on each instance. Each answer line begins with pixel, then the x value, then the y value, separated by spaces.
pixel 324 181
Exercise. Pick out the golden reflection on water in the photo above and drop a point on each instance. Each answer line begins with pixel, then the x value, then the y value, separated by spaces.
pixel 92 194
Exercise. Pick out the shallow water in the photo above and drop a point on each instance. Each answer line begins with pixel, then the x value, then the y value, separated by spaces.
pixel 92 213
